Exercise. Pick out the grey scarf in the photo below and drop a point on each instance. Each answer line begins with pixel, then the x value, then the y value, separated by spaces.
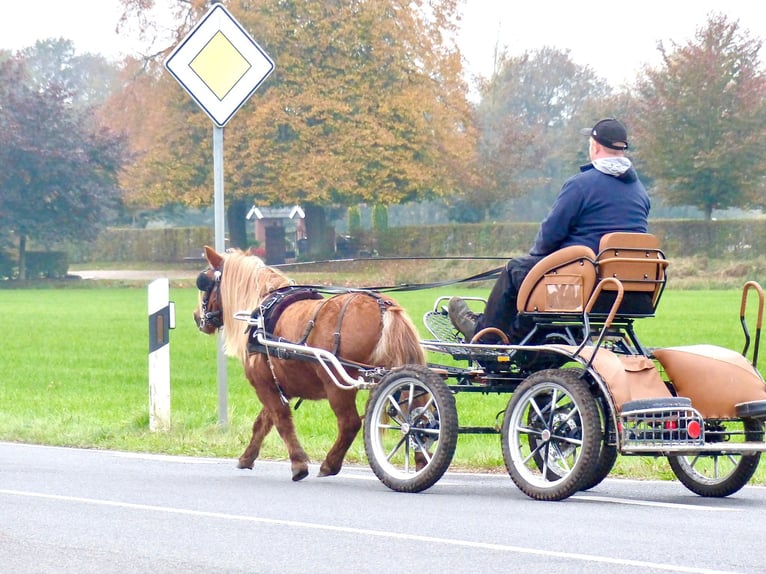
pixel 615 166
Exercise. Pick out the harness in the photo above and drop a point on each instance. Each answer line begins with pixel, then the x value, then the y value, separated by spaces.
pixel 207 285
pixel 271 309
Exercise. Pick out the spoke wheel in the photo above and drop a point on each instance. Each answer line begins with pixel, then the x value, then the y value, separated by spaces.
pixel 607 453
pixel 411 428
pixel 720 474
pixel 552 435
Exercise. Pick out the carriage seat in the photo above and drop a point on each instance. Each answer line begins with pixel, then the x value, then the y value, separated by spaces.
pixel 563 281
pixel 560 282
pixel 638 262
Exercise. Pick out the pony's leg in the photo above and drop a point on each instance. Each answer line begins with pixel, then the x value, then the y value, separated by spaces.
pixel 299 460
pixel 260 377
pixel 343 404
pixel 261 428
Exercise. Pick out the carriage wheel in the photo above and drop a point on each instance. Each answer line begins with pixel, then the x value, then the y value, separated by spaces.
pixel 410 429
pixel 552 435
pixel 720 474
pixel 607 453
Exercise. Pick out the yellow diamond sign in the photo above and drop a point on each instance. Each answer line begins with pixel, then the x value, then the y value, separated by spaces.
pixel 219 64
pixel 208 65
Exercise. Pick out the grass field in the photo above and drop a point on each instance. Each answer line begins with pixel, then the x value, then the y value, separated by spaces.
pixel 75 373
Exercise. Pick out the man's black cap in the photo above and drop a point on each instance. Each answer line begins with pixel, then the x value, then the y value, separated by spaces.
pixel 610 133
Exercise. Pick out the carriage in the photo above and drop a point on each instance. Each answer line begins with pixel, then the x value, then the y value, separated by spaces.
pixel 582 388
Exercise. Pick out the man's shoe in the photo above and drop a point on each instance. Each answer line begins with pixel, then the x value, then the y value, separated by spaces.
pixel 462 317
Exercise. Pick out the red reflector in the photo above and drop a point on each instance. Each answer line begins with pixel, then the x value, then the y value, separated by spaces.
pixel 671 425
pixel 694 429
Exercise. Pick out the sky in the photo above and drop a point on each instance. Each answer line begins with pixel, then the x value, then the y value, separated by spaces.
pixel 614 39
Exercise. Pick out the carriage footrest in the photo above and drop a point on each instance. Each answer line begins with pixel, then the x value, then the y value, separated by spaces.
pixel 661 422
pixel 439 325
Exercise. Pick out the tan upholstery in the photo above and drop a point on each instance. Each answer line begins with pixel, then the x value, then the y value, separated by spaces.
pixel 561 281
pixel 714 378
pixel 628 377
pixel 635 259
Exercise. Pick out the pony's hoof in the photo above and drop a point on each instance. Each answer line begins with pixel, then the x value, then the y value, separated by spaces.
pixel 300 474
pixel 325 470
pixel 245 464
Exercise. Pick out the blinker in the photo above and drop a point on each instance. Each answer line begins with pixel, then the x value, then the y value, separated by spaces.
pixel 204 282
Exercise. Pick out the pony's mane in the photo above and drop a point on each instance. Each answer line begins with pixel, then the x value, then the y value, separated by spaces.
pixel 245 282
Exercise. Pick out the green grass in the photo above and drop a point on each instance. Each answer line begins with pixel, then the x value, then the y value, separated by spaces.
pixel 75 373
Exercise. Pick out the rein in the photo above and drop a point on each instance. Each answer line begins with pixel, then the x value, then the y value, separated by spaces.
pixel 331 289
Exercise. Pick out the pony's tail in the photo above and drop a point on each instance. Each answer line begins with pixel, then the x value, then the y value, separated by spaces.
pixel 399 342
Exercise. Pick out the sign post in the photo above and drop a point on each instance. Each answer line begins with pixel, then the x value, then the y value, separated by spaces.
pixel 161 319
pixel 220 66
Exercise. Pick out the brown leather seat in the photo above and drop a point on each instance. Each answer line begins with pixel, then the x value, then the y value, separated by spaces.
pixel 638 262
pixel 560 282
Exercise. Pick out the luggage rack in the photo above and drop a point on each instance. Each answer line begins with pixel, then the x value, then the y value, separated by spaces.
pixel 661 423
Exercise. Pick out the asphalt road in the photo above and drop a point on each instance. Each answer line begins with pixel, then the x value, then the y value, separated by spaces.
pixel 70 510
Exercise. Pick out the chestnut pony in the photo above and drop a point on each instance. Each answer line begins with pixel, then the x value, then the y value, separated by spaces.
pixel 359 327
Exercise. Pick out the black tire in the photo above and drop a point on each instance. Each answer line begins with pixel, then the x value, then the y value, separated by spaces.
pixel 565 439
pixel 719 474
pixel 658 403
pixel 410 413
pixel 607 456
pixel 752 409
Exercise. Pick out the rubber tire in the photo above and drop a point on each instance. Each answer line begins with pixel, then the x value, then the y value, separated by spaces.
pixel 658 403
pixel 533 482
pixel 607 456
pixel 754 409
pixel 723 486
pixel 384 427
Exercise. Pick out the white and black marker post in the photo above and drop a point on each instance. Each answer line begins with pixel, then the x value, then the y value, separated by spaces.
pixel 161 319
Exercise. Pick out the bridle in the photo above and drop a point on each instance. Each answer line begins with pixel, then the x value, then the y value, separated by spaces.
pixel 209 285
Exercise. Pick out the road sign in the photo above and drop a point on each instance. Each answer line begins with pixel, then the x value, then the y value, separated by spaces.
pixel 219 64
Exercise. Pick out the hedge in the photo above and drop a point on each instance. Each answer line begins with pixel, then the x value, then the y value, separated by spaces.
pixel 166 245
pixel 679 238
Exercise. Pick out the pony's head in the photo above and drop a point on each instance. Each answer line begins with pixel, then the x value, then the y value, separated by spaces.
pixel 209 312
pixel 233 281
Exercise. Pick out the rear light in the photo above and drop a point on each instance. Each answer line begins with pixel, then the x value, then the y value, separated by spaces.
pixel 694 429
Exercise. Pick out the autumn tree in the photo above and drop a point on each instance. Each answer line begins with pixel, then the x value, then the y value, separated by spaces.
pixel 57 175
pixel 527 115
pixel 366 103
pixel 702 120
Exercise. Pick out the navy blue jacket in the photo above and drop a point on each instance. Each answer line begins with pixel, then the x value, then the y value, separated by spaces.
pixel 591 204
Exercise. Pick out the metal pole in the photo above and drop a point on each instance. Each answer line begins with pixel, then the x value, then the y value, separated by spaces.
pixel 220 247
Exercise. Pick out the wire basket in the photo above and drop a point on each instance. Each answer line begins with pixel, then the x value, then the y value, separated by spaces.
pixel 659 423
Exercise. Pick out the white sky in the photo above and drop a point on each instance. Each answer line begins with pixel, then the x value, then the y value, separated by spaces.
pixel 613 38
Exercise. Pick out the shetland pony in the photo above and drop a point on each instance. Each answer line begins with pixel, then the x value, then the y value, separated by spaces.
pixel 361 328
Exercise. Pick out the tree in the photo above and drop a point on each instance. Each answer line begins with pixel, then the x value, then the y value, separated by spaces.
pixel 525 118
pixel 366 103
pixel 57 177
pixel 702 120
pixel 88 79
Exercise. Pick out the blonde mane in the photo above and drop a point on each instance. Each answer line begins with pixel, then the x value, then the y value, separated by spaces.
pixel 245 282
